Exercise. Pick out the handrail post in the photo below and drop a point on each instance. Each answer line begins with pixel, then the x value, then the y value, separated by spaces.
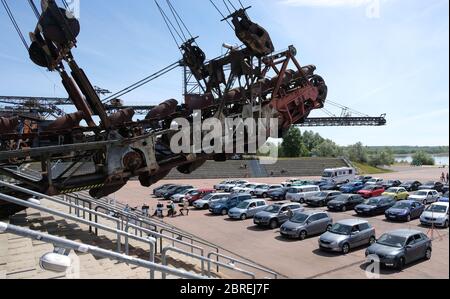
pixel 119 247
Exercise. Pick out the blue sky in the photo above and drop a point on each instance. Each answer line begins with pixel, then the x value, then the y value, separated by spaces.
pixel 396 63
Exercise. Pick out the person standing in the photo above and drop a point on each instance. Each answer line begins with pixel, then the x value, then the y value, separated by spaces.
pixel 185 207
pixel 443 177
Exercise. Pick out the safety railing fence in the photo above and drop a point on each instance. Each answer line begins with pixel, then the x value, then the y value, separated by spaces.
pixel 142 224
pixel 98 252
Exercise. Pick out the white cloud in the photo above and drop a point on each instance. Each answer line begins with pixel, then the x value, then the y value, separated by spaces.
pixel 327 3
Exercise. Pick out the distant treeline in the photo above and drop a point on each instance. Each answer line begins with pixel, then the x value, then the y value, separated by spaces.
pixel 406 150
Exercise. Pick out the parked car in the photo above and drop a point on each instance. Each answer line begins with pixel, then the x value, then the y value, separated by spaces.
pixel 259 188
pixel 398 193
pixel 401 247
pixel 223 206
pixel 289 182
pixel 301 194
pixel 305 224
pixel 391 183
pixel 323 198
pixel 193 196
pixel 364 179
pixel 346 235
pixel 444 189
pixel 247 209
pixel 444 198
pixel 371 191
pixel 375 181
pixel 206 201
pixel 438 186
pixel 228 187
pixel 275 215
pixel 375 206
pixel 248 188
pixel 156 190
pixel 176 190
pixel 425 196
pixel 411 186
pixel 179 197
pixel 435 215
pixel 352 187
pixel 160 191
pixel 263 190
pixel 339 175
pixel 405 210
pixel 221 185
pixel 345 202
pixel 331 186
pixel 277 194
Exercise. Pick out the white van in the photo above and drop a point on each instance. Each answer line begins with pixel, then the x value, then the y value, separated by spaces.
pixel 302 193
pixel 339 175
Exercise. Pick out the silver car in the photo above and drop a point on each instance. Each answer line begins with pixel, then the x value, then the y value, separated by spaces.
pixel 275 215
pixel 305 224
pixel 347 234
pixel 247 209
pixel 206 201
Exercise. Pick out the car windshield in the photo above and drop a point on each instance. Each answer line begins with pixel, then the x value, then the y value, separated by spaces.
pixel 299 218
pixel 401 205
pixel 341 229
pixel 327 174
pixel 273 209
pixel 208 197
pixel 421 193
pixel 391 190
pixel 429 183
pixel 242 205
pixel 342 198
pixel 437 209
pixel 322 194
pixel 265 187
pixel 373 202
pixel 251 186
pixel 392 241
pixel 292 190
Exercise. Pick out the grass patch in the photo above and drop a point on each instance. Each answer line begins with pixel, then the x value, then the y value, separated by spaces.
pixel 367 169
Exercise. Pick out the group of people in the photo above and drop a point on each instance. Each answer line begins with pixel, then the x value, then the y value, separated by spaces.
pixel 445 178
pixel 171 209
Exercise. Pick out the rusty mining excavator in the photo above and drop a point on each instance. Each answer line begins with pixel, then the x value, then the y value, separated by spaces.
pixel 252 78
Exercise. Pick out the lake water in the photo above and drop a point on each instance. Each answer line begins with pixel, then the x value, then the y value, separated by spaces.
pixel 440 160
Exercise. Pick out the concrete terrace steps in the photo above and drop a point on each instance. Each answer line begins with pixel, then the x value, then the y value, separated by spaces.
pixel 19 257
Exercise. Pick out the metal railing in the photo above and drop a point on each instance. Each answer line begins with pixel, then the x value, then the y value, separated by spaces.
pixel 98 252
pixel 235 261
pixel 203 259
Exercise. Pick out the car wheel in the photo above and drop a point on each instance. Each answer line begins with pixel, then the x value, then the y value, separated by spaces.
pixel 344 209
pixel 206 207
pixel 302 200
pixel 243 217
pixel 446 224
pixel 303 234
pixel 408 219
pixel 395 198
pixel 428 254
pixel 425 202
pixel 321 204
pixel 264 195
pixel 401 264
pixel 346 248
pixel 372 240
pixel 224 212
pixel 273 224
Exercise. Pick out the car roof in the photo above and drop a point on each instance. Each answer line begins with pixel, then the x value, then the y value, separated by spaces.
pixel 426 190
pixel 381 197
pixel 254 200
pixel 406 233
pixel 312 212
pixel 446 204
pixel 409 201
pixel 352 222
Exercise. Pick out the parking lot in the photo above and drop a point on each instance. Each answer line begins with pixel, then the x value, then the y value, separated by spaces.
pixel 295 258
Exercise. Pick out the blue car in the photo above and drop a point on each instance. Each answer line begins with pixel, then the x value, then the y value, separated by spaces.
pixel 444 198
pixel 405 210
pixel 223 206
pixel 352 187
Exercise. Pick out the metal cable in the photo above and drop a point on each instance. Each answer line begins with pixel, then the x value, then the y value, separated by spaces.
pixel 169 24
pixel 16 26
pixel 172 10
pixel 34 8
pixel 223 16
pixel 141 82
pixel 181 20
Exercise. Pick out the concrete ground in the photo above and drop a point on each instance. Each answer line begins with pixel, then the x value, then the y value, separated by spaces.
pixel 301 259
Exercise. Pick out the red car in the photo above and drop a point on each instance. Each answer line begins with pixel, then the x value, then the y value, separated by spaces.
pixel 371 191
pixel 199 194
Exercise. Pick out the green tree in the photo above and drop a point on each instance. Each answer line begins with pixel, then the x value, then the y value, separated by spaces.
pixel 292 143
pixel 327 149
pixel 357 153
pixel 382 158
pixel 422 158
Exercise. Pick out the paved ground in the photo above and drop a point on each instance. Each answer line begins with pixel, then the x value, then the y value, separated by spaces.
pixel 301 259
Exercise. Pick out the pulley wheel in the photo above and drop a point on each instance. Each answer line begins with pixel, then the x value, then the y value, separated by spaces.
pixel 54 32
pixel 37 55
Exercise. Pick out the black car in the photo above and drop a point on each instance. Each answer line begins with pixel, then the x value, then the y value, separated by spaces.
pixel 411 185
pixel 277 194
pixel 331 187
pixel 345 202
pixel 432 185
pixel 160 188
pixel 391 184
pixel 323 198
pixel 176 190
pixel 375 206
